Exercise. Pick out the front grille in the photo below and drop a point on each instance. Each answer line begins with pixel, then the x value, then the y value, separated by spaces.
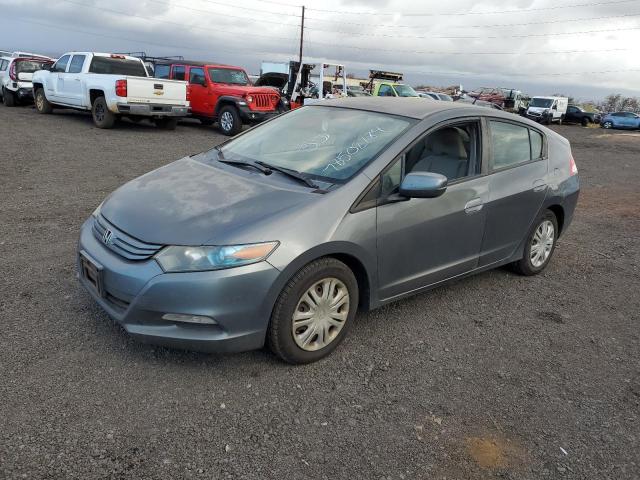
pixel 119 242
pixel 265 101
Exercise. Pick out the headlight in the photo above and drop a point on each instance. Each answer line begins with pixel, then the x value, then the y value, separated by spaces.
pixel 198 259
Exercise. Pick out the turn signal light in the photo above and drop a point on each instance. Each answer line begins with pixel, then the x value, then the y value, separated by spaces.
pixel 121 88
pixel 249 98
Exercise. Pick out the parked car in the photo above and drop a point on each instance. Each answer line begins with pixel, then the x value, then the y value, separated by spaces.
pixel 390 89
pixel 109 86
pixel 436 96
pixel 15 78
pixel 547 110
pixel 620 120
pixel 223 93
pixel 283 232
pixel 577 114
pixel 478 103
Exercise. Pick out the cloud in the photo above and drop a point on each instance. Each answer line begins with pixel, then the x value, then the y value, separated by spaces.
pixel 473 46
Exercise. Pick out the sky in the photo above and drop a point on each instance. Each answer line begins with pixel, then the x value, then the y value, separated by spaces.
pixel 583 48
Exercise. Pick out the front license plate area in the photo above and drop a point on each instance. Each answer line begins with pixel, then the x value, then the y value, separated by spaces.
pixel 92 274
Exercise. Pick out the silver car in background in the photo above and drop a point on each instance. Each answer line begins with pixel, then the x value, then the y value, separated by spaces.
pixel 282 233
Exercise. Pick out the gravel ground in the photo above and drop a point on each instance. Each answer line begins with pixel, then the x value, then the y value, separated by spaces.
pixel 495 376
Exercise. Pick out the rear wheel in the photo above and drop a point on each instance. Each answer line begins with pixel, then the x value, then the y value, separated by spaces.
pixel 8 98
pixel 229 121
pixel 102 116
pixel 166 123
pixel 42 104
pixel 313 312
pixel 540 246
pixel 607 124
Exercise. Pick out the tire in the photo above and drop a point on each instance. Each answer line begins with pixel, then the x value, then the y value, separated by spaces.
pixel 102 116
pixel 539 235
pixel 607 125
pixel 207 121
pixel 323 275
pixel 8 98
pixel 585 121
pixel 166 123
pixel 229 121
pixel 42 104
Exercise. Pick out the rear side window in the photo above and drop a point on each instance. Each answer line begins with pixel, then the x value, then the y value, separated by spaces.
pixel 76 63
pixel 61 64
pixel 510 144
pixel 385 91
pixel 162 71
pixel 117 66
pixel 178 72
pixel 536 144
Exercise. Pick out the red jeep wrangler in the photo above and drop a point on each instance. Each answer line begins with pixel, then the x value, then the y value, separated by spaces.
pixel 222 93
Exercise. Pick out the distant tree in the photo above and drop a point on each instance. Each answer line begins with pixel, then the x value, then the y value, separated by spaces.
pixel 617 102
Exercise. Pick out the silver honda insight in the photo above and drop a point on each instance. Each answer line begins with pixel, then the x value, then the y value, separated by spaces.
pixel 282 233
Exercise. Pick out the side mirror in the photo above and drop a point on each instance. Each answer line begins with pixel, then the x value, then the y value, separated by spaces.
pixel 555 107
pixel 25 77
pixel 423 185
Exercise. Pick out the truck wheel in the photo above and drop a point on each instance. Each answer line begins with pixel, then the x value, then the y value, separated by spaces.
pixel 229 121
pixel 206 121
pixel 585 121
pixel 102 116
pixel 8 98
pixel 42 104
pixel 166 123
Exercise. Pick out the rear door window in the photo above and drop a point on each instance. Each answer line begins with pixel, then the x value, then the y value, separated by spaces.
pixel 196 75
pixel 76 63
pixel 511 144
pixel 61 65
pixel 386 91
pixel 178 72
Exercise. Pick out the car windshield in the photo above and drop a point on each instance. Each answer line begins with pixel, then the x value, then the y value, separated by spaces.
pixel 327 143
pixel 541 102
pixel 117 66
pixel 228 75
pixel 405 91
pixel 30 66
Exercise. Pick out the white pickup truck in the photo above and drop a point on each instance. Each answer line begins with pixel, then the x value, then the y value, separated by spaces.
pixel 109 86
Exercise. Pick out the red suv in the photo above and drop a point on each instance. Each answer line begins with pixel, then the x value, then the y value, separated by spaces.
pixel 222 93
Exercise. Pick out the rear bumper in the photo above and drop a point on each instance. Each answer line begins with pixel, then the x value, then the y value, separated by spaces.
pixel 137 294
pixel 152 110
pixel 251 116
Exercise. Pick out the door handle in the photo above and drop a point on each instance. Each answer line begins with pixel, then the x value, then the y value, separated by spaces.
pixel 473 206
pixel 539 185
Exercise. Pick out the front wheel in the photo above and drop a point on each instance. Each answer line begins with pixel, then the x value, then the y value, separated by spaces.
pixel 585 121
pixel 166 123
pixel 42 104
pixel 313 312
pixel 230 121
pixel 540 246
pixel 8 98
pixel 102 116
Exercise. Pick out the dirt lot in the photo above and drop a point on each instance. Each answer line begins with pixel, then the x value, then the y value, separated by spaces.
pixel 496 376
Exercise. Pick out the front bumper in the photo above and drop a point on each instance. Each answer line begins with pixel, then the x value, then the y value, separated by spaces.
pixel 252 116
pixel 152 110
pixel 136 294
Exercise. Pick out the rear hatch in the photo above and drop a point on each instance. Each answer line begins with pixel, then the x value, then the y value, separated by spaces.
pixel 153 90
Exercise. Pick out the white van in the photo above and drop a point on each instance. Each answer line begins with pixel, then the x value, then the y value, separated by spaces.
pixel 547 109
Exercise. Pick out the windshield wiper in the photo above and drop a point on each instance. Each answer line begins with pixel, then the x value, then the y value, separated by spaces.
pixel 291 173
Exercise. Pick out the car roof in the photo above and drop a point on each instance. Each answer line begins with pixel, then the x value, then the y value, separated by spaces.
pixel 413 107
pixel 197 63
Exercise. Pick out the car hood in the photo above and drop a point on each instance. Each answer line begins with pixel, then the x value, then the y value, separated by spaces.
pixel 240 90
pixel 192 203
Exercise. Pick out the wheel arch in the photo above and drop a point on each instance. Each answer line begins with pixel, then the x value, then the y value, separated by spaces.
pixel 558 211
pixel 224 101
pixel 94 93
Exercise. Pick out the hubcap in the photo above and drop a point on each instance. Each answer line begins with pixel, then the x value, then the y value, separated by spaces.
pixel 226 121
pixel 99 112
pixel 320 315
pixel 607 124
pixel 542 243
pixel 39 101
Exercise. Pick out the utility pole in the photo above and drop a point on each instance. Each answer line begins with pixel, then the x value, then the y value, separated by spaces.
pixel 301 36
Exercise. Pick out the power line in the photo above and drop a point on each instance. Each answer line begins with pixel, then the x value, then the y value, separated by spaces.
pixel 608 17
pixel 477 37
pixel 248 8
pixel 494 12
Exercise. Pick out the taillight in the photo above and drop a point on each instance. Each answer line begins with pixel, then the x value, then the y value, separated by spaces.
pixel 188 93
pixel 573 170
pixel 12 72
pixel 121 88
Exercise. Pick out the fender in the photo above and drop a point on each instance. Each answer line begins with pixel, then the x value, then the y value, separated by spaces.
pixel 226 99
pixel 339 248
